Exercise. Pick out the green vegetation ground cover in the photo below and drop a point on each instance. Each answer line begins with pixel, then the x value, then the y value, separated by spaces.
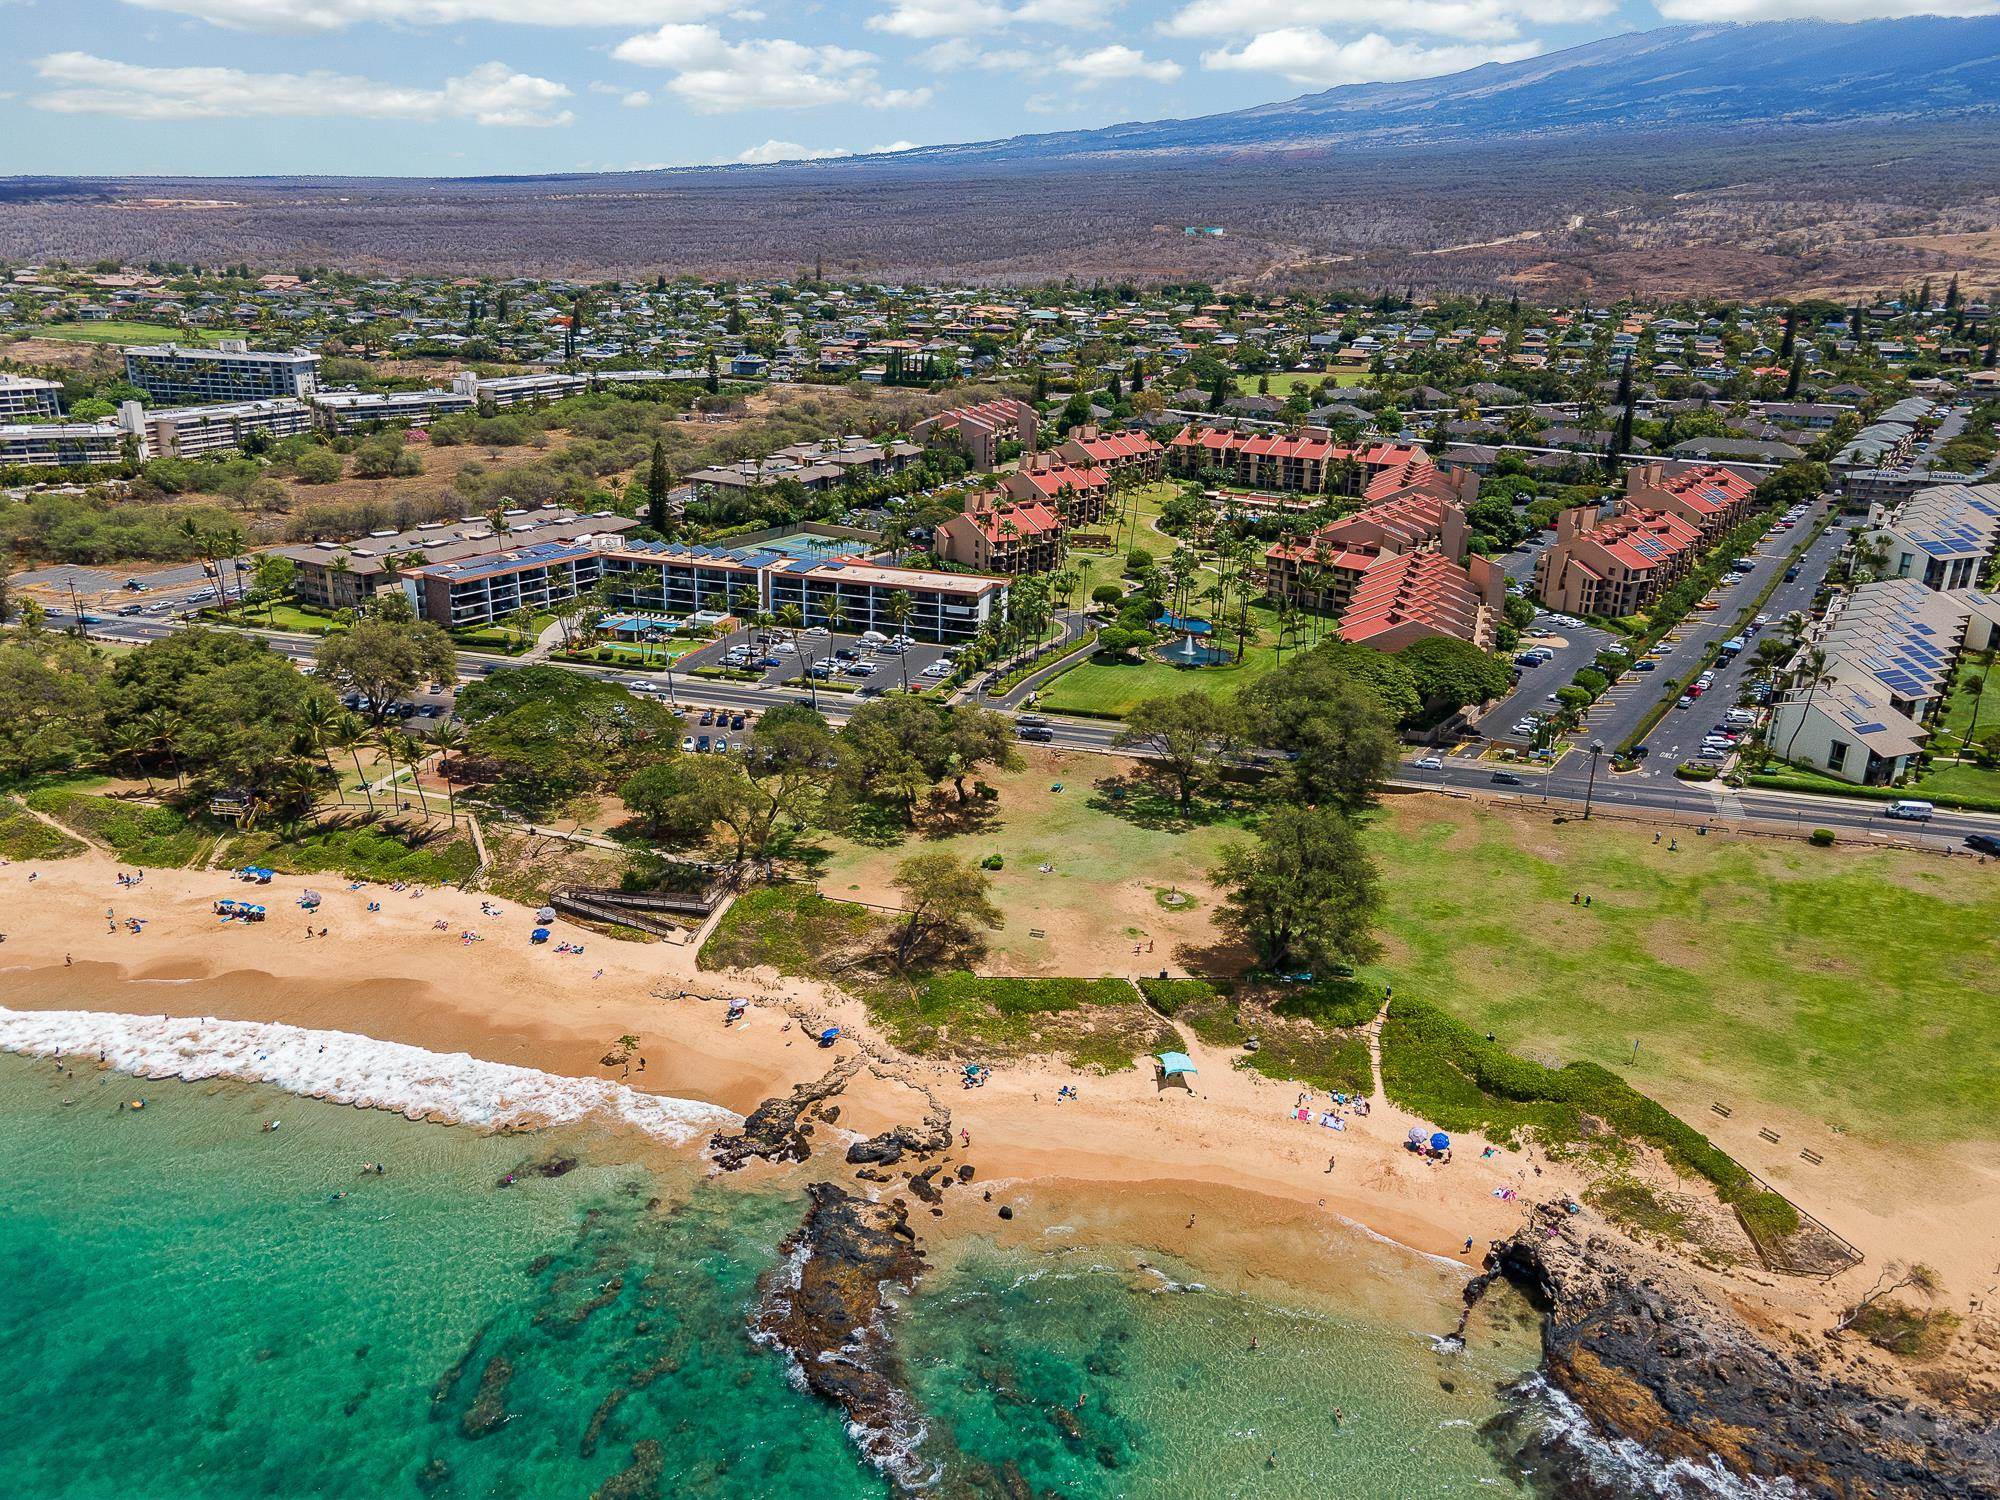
pixel 138 833
pixel 1283 383
pixel 1819 982
pixel 23 836
pixel 1950 785
pixel 1109 689
pixel 361 852
pixel 1090 1023
pixel 1959 718
pixel 277 616
pixel 1303 1039
pixel 1107 565
pixel 131 333
pixel 791 928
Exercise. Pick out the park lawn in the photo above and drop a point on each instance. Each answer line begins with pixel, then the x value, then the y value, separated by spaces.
pixel 1848 986
pixel 1146 501
pixel 1112 689
pixel 1284 383
pixel 1111 864
pixel 1959 719
pixel 278 616
pixel 132 333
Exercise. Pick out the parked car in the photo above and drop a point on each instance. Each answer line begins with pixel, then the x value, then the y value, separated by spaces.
pixel 1431 763
pixel 1685 702
pixel 1983 843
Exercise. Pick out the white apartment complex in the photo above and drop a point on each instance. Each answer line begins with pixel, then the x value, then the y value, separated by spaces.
pixel 196 431
pixel 25 396
pixel 230 371
pixel 1943 536
pixel 1891 649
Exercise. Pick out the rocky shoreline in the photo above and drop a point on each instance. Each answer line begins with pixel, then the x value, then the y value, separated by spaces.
pixel 1648 1356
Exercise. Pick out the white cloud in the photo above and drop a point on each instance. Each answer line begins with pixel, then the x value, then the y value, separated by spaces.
pixel 926 19
pixel 772 151
pixel 894 147
pixel 491 94
pixel 1117 61
pixel 1819 10
pixel 1468 20
pixel 637 99
pixel 335 15
pixel 957 52
pixel 716 76
pixel 1305 55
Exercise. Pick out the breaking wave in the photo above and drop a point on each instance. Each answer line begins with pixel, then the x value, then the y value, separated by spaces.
pixel 348 1069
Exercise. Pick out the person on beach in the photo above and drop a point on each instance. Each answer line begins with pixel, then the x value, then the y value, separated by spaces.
pixel 1329 1164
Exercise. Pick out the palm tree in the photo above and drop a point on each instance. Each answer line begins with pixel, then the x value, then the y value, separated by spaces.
pixel 163 728
pixel 385 741
pixel 414 756
pixel 446 738
pixel 1813 673
pixel 899 608
pixel 347 733
pixel 316 721
pixel 128 743
pixel 298 788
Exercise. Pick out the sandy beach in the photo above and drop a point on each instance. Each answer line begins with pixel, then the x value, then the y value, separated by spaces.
pixel 1220 1174
pixel 395 975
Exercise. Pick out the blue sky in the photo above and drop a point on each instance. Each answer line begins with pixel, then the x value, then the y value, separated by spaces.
pixel 445 87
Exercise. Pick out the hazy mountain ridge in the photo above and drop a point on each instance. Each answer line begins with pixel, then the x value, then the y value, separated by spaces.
pixel 1774 72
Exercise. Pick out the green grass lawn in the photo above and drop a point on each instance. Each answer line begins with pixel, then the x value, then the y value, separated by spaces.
pixel 1108 566
pixel 1111 689
pixel 131 333
pixel 1959 718
pixel 278 616
pixel 1848 986
pixel 1283 384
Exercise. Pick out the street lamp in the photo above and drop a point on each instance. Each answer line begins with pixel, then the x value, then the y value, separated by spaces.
pixel 1596 749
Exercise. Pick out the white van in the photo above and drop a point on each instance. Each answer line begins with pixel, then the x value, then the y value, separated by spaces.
pixel 1907 807
pixel 1739 716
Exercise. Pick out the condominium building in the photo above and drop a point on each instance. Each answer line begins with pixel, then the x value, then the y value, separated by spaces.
pixel 1078 494
pixel 230 371
pixel 812 466
pixel 25 396
pixel 982 429
pixel 1614 564
pixel 480 590
pixel 192 431
pixel 1112 452
pixel 348 574
pixel 1890 650
pixel 354 411
pixel 1299 463
pixel 518 390
pixel 1943 536
pixel 677 579
pixel 1011 538
pixel 1714 499
pixel 61 444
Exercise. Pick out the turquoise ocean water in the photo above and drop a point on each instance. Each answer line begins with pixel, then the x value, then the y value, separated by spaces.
pixel 187 1309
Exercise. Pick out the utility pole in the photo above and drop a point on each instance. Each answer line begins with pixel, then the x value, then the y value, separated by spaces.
pixel 1590 788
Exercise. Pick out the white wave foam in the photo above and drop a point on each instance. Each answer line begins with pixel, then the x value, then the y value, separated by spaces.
pixel 1634 1469
pixel 349 1069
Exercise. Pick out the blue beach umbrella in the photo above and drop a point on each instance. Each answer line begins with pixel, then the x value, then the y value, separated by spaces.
pixel 1174 1063
pixel 1440 1142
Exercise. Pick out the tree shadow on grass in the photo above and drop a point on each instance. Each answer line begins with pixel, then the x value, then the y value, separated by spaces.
pixel 1146 799
pixel 945 817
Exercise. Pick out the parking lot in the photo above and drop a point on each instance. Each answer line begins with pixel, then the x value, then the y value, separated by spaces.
pixel 818 655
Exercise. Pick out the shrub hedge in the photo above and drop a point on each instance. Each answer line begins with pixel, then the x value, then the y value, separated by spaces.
pixel 1436 1066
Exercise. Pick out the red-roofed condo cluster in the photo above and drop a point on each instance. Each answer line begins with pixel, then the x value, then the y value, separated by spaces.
pixel 1400 569
pixel 1617 562
pixel 981 430
pixel 1307 462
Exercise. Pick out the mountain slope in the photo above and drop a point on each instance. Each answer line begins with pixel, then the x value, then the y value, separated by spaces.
pixel 1774 72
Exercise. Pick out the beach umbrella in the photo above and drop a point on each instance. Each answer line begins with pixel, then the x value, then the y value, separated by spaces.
pixel 1440 1142
pixel 546 914
pixel 1175 1063
pixel 1416 1135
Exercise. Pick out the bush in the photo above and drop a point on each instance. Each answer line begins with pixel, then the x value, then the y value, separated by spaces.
pixel 1691 771
pixel 993 862
pixel 1106 593
pixel 151 837
pixel 1169 996
pixel 1435 1066
pixel 1823 838
pixel 1335 1003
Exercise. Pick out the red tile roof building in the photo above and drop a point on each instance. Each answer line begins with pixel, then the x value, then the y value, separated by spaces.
pixel 1009 538
pixel 1398 570
pixel 1078 493
pixel 1304 462
pixel 1617 564
pixel 1710 496
pixel 981 429
pixel 1113 452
